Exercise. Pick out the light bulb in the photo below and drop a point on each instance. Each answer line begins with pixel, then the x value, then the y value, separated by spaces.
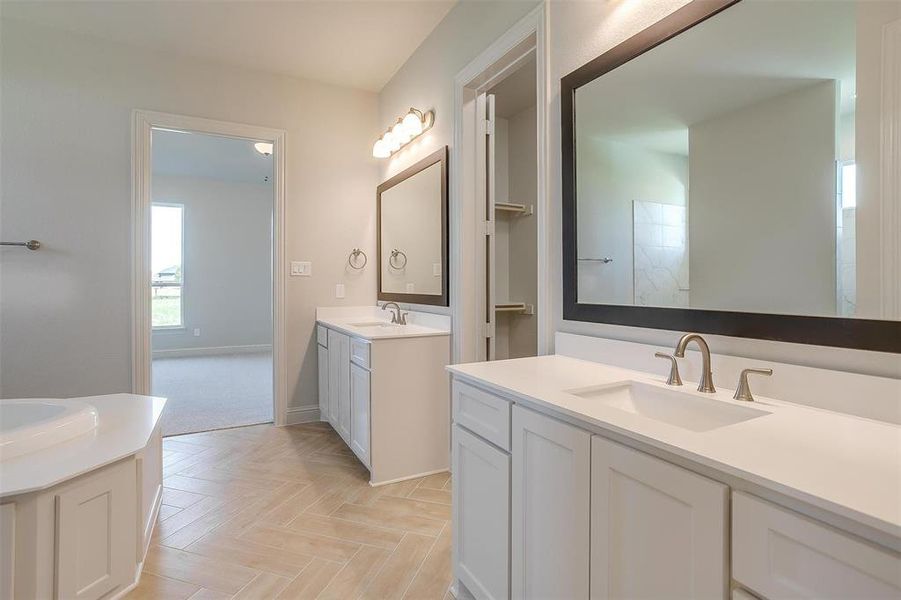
pixel 380 149
pixel 412 124
pixel 264 148
pixel 400 133
pixel 393 140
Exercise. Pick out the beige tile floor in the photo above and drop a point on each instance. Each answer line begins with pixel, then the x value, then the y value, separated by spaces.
pixel 287 512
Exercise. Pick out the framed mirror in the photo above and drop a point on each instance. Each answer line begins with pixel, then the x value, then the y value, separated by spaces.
pixel 731 170
pixel 412 233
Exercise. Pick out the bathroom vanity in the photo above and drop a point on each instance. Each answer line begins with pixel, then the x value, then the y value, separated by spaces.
pixel 384 389
pixel 574 479
pixel 76 516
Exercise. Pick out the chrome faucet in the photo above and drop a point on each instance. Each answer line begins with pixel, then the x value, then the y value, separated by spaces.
pixel 743 391
pixel 397 317
pixel 706 383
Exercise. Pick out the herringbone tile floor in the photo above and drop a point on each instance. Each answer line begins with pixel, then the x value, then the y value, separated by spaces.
pixel 287 512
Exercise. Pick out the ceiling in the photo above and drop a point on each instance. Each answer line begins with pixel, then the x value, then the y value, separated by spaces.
pixel 208 156
pixel 517 92
pixel 304 39
pixel 755 50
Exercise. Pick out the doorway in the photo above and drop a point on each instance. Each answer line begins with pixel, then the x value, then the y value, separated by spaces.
pixel 501 292
pixel 207 286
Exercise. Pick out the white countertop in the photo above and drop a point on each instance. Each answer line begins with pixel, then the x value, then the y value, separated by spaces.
pixel 349 319
pixel 846 465
pixel 124 425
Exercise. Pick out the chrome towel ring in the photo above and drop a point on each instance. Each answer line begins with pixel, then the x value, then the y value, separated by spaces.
pixel 392 260
pixel 353 259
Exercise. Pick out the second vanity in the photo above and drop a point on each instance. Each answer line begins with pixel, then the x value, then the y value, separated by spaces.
pixel 384 389
pixel 574 479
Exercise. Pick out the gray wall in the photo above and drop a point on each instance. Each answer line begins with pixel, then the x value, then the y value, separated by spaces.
pixel 227 262
pixel 762 206
pixel 65 158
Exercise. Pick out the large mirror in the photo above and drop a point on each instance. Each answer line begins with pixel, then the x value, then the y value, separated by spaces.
pixel 412 233
pixel 730 170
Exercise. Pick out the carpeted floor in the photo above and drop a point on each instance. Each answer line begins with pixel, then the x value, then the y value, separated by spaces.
pixel 214 392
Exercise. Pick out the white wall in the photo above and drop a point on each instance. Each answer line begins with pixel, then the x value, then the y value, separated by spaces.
pixel 578 32
pixel 762 212
pixel 65 159
pixel 611 176
pixel 227 291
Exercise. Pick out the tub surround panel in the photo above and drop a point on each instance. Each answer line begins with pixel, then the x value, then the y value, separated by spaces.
pixel 837 463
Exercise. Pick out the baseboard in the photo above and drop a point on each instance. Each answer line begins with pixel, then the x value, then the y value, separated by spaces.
pixel 212 351
pixel 408 477
pixel 302 414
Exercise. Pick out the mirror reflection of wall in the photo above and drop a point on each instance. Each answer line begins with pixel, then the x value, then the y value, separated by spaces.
pixel 412 241
pixel 720 169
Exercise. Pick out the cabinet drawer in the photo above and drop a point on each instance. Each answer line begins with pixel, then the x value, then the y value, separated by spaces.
pixel 322 335
pixel 359 352
pixel 482 413
pixel 780 554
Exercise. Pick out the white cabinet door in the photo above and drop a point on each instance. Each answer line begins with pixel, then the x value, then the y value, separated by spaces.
pixel 339 383
pixel 780 554
pixel 550 507
pixel 481 500
pixel 96 533
pixel 657 530
pixel 359 412
pixel 323 383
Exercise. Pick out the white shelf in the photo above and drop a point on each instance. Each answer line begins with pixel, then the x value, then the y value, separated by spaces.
pixel 513 209
pixel 515 307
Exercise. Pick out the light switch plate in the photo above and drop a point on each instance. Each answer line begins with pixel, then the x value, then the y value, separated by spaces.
pixel 436 269
pixel 339 290
pixel 411 288
pixel 301 268
pixel 197 332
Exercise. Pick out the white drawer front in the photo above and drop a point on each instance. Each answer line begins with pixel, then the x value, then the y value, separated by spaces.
pixel 359 352
pixel 482 413
pixel 322 335
pixel 780 554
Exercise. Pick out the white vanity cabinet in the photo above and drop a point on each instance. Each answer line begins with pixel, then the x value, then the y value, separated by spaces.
pixel 387 398
pixel 339 383
pixel 657 530
pixel 359 410
pixel 590 517
pixel 481 502
pixel 549 507
pixel 322 353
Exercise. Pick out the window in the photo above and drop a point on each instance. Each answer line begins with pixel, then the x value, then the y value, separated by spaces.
pixel 166 265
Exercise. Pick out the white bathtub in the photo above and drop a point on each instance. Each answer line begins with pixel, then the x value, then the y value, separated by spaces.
pixel 36 423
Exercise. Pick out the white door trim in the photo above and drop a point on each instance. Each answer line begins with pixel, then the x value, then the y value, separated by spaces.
pixel 142 123
pixel 465 271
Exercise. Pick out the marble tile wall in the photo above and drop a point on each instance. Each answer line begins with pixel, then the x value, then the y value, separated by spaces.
pixel 660 254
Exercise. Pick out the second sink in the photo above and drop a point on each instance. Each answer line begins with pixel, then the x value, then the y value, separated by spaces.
pixel 682 409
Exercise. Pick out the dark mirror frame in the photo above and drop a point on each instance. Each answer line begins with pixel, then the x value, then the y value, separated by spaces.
pixel 443 299
pixel 863 334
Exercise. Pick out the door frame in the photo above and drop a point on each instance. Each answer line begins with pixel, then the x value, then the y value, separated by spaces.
pixel 528 35
pixel 143 122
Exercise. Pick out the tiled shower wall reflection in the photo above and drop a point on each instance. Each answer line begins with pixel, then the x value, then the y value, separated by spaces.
pixel 660 254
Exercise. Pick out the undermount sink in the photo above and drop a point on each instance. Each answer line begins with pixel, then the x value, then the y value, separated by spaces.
pixel 373 324
pixel 683 409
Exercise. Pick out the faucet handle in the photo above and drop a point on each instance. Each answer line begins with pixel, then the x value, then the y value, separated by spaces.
pixel 743 391
pixel 674 378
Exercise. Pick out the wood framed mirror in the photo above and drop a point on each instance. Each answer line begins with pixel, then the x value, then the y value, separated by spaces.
pixel 731 170
pixel 413 234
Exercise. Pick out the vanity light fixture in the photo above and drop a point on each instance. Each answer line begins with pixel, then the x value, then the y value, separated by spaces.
pixel 404 130
pixel 264 148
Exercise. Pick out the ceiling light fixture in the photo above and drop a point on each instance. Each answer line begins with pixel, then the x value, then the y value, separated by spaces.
pixel 404 131
pixel 264 148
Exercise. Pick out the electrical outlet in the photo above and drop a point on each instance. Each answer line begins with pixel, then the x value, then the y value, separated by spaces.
pixel 339 290
pixel 301 268
pixel 197 332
